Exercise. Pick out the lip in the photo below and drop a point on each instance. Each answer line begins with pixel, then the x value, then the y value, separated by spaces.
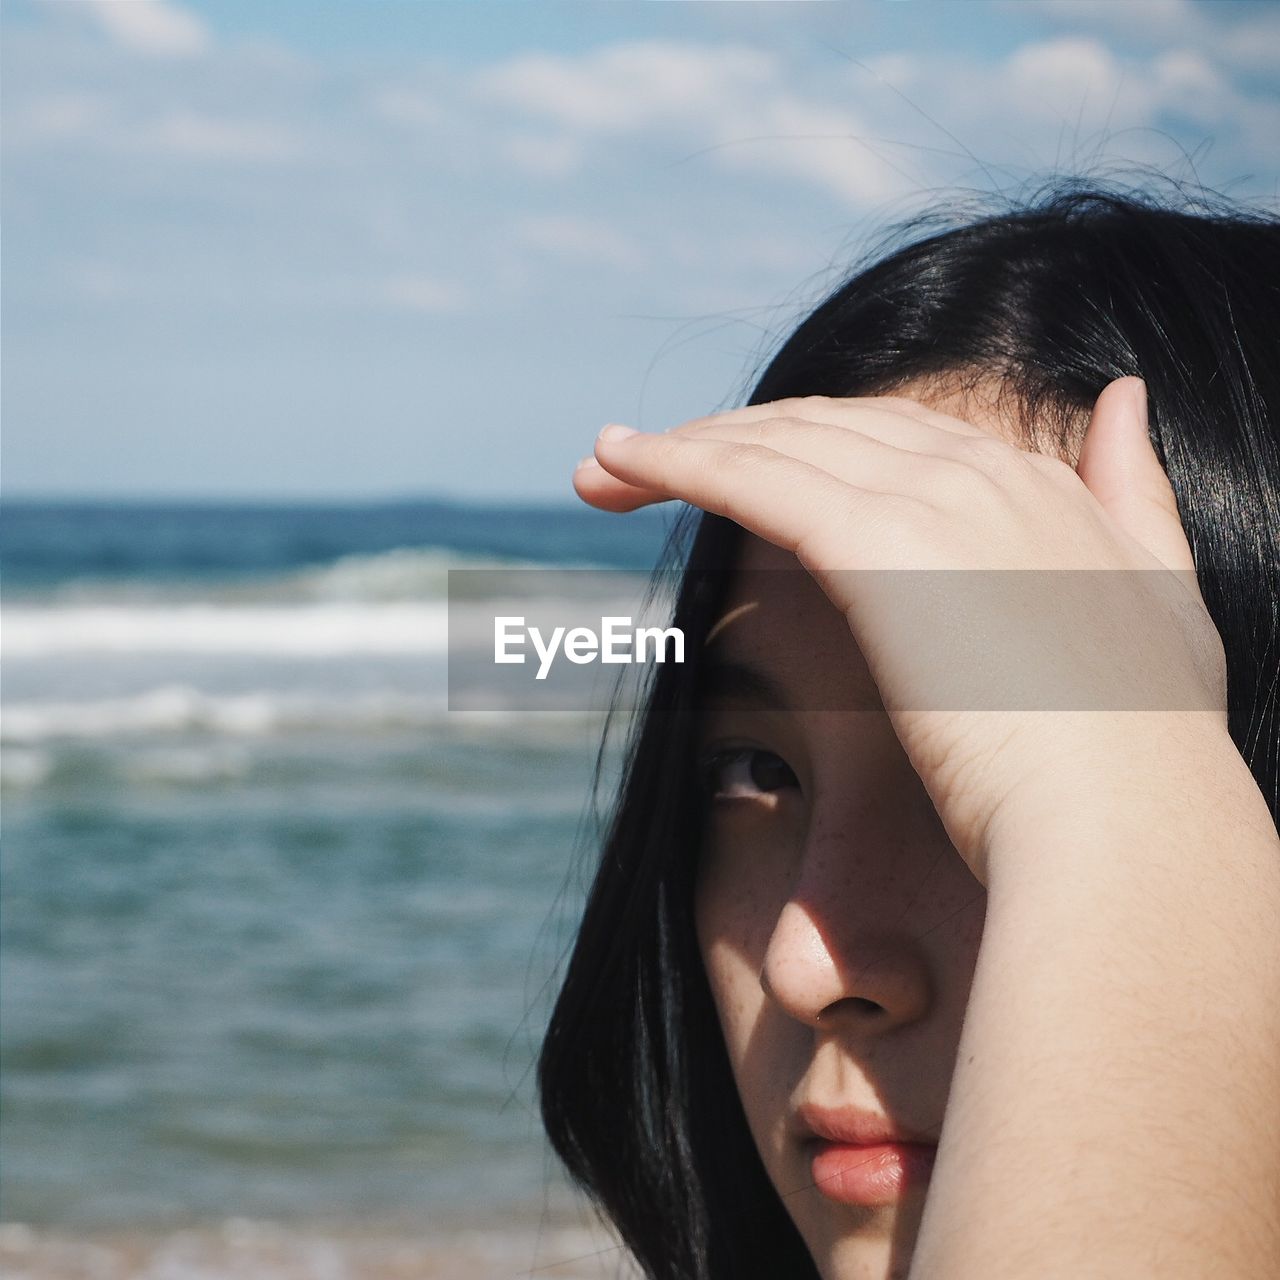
pixel 856 1128
pixel 859 1158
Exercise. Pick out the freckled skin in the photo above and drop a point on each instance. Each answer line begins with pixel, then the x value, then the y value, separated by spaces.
pixel 838 926
pixel 840 929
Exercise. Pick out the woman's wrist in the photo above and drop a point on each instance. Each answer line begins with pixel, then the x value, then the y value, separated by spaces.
pixel 1126 1000
pixel 1147 774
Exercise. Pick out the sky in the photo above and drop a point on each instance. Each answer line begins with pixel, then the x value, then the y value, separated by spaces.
pixel 389 248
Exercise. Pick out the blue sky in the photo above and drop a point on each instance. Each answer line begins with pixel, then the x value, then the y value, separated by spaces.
pixel 390 247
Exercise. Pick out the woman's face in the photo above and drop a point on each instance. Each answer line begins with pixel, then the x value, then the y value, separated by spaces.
pixel 838 926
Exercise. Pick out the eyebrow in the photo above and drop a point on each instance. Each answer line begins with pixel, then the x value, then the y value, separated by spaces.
pixel 741 681
pixel 721 679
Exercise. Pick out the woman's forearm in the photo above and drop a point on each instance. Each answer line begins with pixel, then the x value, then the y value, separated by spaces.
pixel 1115 1108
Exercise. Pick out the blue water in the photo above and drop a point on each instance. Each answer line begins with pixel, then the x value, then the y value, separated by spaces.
pixel 279 932
pixel 44 544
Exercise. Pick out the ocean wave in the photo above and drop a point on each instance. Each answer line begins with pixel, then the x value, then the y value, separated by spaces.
pixel 24 770
pixel 401 575
pixel 176 709
pixel 405 573
pixel 187 765
pixel 319 631
pixel 321 614
pixel 179 708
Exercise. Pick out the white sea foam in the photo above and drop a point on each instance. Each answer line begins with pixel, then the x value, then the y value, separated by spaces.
pixel 179 708
pixel 405 573
pixel 176 709
pixel 301 631
pixel 21 768
pixel 391 603
pixel 187 764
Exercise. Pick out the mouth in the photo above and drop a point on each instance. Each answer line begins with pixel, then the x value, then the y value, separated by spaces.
pixel 858 1158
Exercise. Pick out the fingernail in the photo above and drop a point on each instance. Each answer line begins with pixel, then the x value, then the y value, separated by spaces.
pixel 587 462
pixel 615 432
pixel 1140 397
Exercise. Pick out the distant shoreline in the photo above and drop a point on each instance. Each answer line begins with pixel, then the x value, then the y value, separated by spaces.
pixel 524 504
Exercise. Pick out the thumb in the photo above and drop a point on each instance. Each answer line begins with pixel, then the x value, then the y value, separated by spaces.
pixel 1120 468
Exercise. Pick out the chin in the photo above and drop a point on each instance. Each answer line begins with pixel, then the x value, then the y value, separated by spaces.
pixel 879 1247
pixel 865 1258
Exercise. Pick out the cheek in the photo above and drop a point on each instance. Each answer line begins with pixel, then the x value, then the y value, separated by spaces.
pixel 734 894
pixel 729 923
pixel 739 895
pixel 737 905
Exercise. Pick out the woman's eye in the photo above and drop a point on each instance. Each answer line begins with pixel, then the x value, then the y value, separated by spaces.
pixel 744 772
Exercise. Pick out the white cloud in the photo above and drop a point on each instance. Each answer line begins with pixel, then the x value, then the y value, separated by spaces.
pixel 1254 44
pixel 425 294
pixel 1185 82
pixel 583 239
pixel 155 28
pixel 731 102
pixel 102 281
pixel 1084 84
pixel 98 122
pixel 1075 102
pixel 898 69
pixel 1071 79
pixel 410 107
pixel 828 146
pixel 543 155
pixel 372 195
pixel 189 134
pixel 55 117
pixel 1146 20
pixel 632 85
pixel 1247 38
pixel 1051 103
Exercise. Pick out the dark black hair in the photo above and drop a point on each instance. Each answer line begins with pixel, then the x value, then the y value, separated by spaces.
pixel 1055 299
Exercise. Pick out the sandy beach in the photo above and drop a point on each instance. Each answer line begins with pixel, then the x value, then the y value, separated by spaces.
pixel 247 1249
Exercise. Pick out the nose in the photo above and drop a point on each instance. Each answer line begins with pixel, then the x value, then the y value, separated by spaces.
pixel 837 976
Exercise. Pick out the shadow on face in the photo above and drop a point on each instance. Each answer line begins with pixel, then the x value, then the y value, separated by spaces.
pixel 838 926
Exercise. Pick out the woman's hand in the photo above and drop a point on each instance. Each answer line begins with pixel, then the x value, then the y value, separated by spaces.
pixel 1010 692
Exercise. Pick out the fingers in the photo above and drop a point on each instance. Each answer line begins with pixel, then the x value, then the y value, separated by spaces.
pixel 895 419
pixel 632 476
pixel 905 435
pixel 1121 470
pixel 779 497
pixel 847 453
pixel 815 429
pixel 597 488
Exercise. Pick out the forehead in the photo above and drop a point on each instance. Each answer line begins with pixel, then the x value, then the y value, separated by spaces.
pixel 990 403
pixel 776 624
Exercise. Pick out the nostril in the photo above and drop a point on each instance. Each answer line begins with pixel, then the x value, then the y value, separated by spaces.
pixel 856 1004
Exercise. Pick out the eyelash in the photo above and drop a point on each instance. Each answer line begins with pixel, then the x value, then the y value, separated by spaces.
pixel 712 763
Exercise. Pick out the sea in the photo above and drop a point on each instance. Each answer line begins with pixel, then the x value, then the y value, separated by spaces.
pixel 279 932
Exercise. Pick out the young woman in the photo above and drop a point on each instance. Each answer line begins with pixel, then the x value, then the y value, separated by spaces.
pixel 937 927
